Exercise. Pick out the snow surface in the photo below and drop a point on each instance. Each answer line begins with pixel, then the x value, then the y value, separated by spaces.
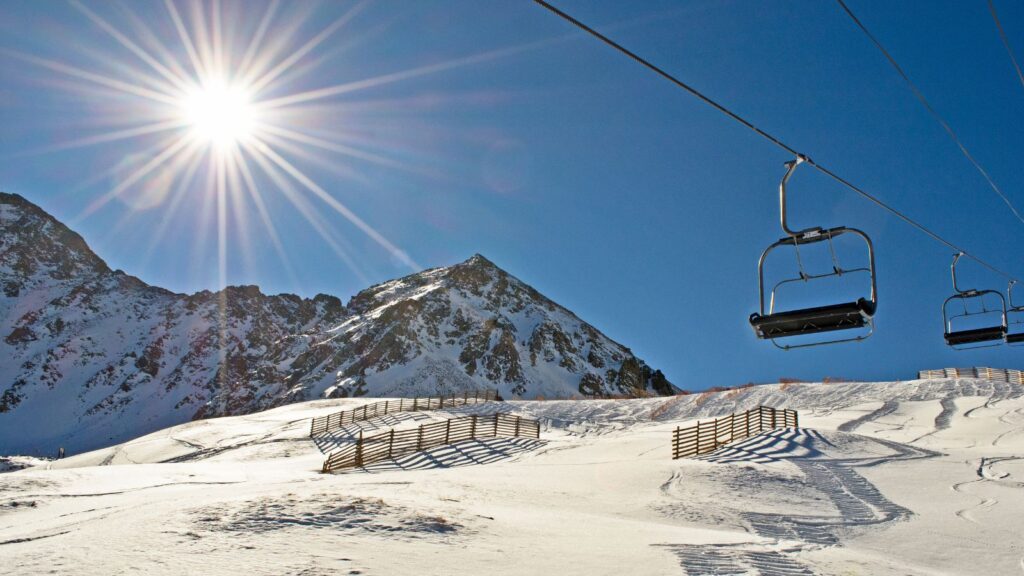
pixel 918 477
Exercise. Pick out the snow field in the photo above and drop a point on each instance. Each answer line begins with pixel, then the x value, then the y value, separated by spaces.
pixel 918 477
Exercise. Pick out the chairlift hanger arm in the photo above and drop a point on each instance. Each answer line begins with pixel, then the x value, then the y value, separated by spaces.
pixel 1009 298
pixel 790 168
pixel 952 271
pixel 806 235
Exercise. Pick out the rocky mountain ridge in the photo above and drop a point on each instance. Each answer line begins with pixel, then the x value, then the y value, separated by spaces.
pixel 91 356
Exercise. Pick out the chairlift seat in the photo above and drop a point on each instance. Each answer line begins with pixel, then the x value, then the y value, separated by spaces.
pixel 975 335
pixel 813 320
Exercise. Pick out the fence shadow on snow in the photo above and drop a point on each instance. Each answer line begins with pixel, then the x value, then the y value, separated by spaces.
pixel 771 446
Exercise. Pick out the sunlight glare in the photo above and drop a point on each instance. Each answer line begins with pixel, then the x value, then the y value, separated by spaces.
pixel 218 113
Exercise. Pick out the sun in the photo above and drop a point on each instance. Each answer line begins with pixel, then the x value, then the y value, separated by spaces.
pixel 219 113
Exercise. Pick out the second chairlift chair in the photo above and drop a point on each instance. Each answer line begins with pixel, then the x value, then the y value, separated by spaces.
pixel 967 338
pixel 772 325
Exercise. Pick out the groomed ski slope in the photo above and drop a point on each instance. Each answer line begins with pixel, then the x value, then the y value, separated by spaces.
pixel 918 477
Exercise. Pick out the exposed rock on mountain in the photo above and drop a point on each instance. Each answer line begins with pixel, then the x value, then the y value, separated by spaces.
pixel 92 356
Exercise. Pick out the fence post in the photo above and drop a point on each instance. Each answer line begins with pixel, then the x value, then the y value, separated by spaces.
pixel 472 430
pixel 447 430
pixel 518 418
pixel 312 423
pixel 359 450
pixel 773 418
pixel 675 444
pixel 496 417
pixel 364 411
pixel 415 401
pixel 419 439
pixel 391 442
pixel 796 419
pixel 698 437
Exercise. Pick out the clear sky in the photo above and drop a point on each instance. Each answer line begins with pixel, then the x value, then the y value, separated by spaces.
pixel 494 127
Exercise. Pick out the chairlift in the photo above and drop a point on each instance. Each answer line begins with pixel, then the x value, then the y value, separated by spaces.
pixel 972 337
pixel 771 325
pixel 1015 338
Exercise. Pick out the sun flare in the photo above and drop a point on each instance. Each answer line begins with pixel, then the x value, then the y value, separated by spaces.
pixel 234 113
pixel 219 113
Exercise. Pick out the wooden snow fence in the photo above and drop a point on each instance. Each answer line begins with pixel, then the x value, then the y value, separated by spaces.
pixel 994 374
pixel 325 424
pixel 394 443
pixel 706 437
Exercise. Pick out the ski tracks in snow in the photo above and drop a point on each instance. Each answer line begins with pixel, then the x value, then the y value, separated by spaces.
pixel 858 502
pixel 887 408
pixel 728 559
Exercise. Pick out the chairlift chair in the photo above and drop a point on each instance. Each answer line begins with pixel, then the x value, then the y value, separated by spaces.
pixel 771 325
pixel 1015 338
pixel 973 337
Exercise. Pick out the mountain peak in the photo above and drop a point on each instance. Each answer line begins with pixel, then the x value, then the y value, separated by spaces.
pixel 479 260
pixel 35 244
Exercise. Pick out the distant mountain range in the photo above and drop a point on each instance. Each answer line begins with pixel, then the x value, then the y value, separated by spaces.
pixel 92 356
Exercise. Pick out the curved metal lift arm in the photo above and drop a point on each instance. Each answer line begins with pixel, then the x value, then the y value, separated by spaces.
pixel 1013 338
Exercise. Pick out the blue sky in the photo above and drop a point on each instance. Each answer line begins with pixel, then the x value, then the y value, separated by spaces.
pixel 605 187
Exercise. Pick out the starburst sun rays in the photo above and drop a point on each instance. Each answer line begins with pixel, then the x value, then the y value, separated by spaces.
pixel 215 110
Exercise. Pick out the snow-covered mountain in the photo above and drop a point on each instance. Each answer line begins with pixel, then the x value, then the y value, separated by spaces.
pixel 91 356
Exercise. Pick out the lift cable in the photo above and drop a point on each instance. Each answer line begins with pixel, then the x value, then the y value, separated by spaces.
pixel 931 110
pixel 767 136
pixel 1006 41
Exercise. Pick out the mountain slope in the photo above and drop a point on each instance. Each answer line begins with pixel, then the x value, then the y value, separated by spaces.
pixel 91 356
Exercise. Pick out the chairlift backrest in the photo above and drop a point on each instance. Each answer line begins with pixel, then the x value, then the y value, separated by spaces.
pixel 771 325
